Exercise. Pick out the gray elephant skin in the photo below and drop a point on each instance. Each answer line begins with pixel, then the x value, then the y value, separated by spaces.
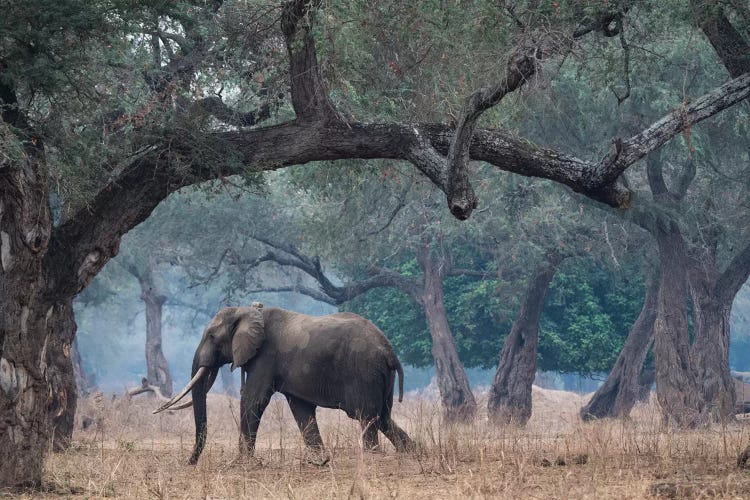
pixel 338 361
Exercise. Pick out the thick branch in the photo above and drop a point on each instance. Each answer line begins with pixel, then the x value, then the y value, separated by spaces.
pixel 461 197
pixel 310 292
pixel 729 44
pixel 83 244
pixel 522 65
pixel 663 130
pixel 309 95
pixel 685 179
pixel 735 275
pixel 655 173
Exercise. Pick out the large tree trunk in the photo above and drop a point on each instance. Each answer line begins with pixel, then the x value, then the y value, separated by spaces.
pixel 710 350
pixel 677 388
pixel 156 364
pixel 510 394
pixel 693 382
pixel 455 392
pixel 23 398
pixel 624 385
pixel 25 228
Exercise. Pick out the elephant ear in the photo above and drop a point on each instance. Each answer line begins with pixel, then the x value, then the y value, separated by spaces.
pixel 248 334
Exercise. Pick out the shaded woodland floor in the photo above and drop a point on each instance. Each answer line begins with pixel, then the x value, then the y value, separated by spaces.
pixel 129 453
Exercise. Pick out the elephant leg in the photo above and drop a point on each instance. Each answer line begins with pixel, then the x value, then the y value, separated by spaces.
pixel 252 406
pixel 370 432
pixel 304 414
pixel 397 436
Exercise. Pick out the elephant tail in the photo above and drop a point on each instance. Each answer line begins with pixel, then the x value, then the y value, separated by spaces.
pixel 396 365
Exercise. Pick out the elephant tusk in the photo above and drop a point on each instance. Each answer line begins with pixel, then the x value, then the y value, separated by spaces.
pixel 182 406
pixel 201 371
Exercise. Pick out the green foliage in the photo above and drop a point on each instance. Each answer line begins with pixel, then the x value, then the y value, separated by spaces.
pixel 587 316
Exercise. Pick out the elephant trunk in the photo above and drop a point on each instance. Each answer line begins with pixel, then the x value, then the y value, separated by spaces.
pixel 199 412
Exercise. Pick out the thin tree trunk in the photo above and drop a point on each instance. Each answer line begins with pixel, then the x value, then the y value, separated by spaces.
pixel 85 383
pixel 455 391
pixel 156 364
pixel 60 374
pixel 623 387
pixel 510 394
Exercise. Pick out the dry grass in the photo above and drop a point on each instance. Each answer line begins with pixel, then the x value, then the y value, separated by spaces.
pixel 137 455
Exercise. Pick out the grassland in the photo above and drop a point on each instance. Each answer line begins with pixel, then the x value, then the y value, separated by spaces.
pixel 129 453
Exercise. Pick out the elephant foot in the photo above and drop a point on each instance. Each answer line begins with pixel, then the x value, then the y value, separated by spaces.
pixel 409 447
pixel 317 457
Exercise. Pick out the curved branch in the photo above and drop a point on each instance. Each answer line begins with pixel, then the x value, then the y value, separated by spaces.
pixel 735 275
pixel 461 197
pixel 80 246
pixel 335 294
pixel 310 292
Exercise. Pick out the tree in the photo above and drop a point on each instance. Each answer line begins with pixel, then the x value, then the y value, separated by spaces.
pixel 157 369
pixel 619 393
pixel 423 284
pixel 167 140
pixel 510 393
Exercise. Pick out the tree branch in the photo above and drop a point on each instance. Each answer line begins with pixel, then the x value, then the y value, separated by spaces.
pixel 655 174
pixel 650 139
pixel 337 295
pixel 222 112
pixel 728 43
pixel 81 246
pixel 309 95
pixel 522 65
pixel 735 275
pixel 310 292
pixel 625 62
pixel 685 179
pixel 461 197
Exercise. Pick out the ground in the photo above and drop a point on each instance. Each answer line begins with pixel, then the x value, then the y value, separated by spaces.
pixel 128 453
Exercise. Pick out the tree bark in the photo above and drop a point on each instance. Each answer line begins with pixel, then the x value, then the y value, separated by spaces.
pixel 85 383
pixel 60 375
pixel 157 368
pixel 677 388
pixel 624 385
pixel 510 394
pixel 709 352
pixel 455 391
pixel 25 228
pixel 693 381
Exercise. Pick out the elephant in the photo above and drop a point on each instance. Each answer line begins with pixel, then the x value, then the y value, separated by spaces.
pixel 338 361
